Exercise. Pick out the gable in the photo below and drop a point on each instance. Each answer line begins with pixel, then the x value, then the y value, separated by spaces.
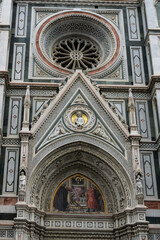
pixel 79 96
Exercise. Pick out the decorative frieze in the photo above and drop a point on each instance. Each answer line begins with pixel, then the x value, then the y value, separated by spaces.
pixel 18 62
pixel 121 94
pixel 6 233
pixel 21 20
pixel 10 141
pixel 149 145
pixel 34 93
pixel 137 65
pixel 155 236
pixel 149 174
pixel 143 119
pixel 10 170
pixel 15 116
pixel 133 24
pixel 79 224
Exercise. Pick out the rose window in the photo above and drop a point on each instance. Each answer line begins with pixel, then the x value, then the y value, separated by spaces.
pixel 70 40
pixel 76 53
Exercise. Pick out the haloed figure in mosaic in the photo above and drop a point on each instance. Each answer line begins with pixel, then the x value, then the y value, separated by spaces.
pixel 79 120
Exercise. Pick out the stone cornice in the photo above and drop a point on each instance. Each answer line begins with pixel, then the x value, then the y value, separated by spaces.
pixel 33 85
pixel 4 27
pixel 103 87
pixel 135 88
pixel 86 2
pixel 152 146
pixel 4 75
pixel 152 32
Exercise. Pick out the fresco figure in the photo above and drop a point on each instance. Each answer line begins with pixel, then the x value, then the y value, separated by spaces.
pixel 78 191
pixel 62 202
pixel 91 200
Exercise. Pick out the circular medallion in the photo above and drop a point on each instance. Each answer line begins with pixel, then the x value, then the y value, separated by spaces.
pixel 71 40
pixel 79 118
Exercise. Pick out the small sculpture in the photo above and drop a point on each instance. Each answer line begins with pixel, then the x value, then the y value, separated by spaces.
pixel 139 183
pixel 95 85
pixel 22 181
pixel 59 130
pixel 100 131
pixel 63 83
pixel 35 119
pixel 79 120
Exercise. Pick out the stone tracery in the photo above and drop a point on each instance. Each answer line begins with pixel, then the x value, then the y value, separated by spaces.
pixel 99 36
pixel 76 53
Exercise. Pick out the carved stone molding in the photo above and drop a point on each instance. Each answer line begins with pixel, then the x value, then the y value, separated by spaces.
pixel 60 166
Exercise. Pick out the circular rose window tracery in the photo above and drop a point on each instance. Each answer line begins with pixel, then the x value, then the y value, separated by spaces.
pixel 57 40
pixel 76 53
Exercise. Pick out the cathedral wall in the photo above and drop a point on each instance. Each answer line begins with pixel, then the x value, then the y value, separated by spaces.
pixel 118 134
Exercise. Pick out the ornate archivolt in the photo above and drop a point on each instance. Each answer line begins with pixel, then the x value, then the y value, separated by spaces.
pixel 70 40
pixel 111 178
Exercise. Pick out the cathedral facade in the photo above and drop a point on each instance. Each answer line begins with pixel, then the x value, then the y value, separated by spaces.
pixel 80 119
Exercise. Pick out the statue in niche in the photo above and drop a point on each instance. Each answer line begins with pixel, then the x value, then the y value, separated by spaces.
pixel 79 120
pixel 139 183
pixel 22 181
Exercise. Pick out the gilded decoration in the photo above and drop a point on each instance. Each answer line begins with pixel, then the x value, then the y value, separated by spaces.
pixel 79 118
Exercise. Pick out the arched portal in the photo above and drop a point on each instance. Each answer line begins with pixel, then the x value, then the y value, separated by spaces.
pixel 84 159
pixel 58 170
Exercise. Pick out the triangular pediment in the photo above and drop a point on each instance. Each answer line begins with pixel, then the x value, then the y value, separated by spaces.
pixel 79 109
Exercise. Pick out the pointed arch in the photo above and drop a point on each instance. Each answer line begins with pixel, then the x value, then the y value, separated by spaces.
pixel 85 159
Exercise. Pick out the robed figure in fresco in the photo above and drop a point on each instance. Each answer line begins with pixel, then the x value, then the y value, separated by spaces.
pixel 61 198
pixel 91 200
